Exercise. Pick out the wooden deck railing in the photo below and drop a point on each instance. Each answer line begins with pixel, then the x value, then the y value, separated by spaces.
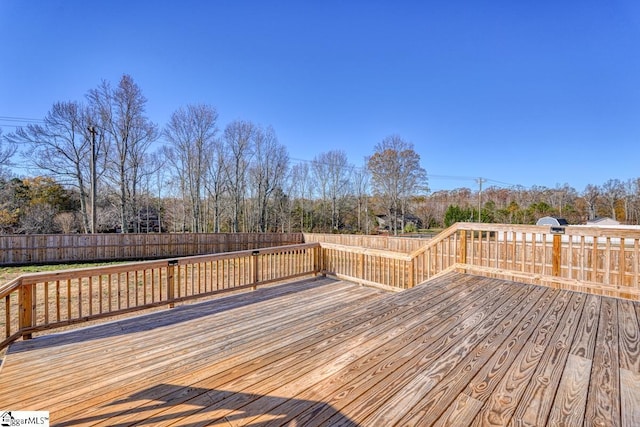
pixel 381 242
pixel 391 270
pixel 40 301
pixel 588 259
pixel 603 261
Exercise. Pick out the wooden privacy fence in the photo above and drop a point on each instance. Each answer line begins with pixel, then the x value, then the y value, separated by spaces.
pixel 56 248
pixel 41 301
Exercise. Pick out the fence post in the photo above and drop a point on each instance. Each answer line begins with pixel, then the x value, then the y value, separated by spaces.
pixel 556 256
pixel 26 307
pixel 171 281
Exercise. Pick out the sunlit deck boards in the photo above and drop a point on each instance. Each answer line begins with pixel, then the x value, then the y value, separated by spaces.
pixel 461 350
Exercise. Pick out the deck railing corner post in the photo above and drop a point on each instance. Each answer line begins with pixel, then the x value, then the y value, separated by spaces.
pixel 26 308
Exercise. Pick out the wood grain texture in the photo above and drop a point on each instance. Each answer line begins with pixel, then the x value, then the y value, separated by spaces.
pixel 629 401
pixel 457 350
pixel 504 400
pixel 603 402
pixel 629 334
pixel 571 397
pixel 538 397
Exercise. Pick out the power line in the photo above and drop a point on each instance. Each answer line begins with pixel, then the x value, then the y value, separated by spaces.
pixel 20 119
pixel 430 176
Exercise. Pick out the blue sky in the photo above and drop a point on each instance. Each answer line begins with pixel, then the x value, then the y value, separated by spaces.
pixel 518 92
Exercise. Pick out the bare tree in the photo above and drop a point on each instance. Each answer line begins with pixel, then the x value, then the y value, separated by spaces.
pixel 130 132
pixel 301 188
pixel 7 150
pixel 239 149
pixel 361 179
pixel 320 169
pixel 267 172
pixel 632 201
pixel 613 191
pixel 60 148
pixel 561 197
pixel 216 182
pixel 591 195
pixel 191 134
pixel 332 172
pixel 396 174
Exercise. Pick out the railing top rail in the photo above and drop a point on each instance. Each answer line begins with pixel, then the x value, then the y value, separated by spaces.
pixel 10 286
pixel 90 271
pixel 147 265
pixel 249 252
pixel 366 251
pixel 444 234
pixel 574 230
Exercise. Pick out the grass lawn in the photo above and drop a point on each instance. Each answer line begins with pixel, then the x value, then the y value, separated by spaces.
pixel 8 273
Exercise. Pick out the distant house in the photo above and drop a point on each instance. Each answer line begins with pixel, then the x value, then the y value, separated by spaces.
pixel 552 221
pixel 603 221
pixel 384 222
pixel 148 221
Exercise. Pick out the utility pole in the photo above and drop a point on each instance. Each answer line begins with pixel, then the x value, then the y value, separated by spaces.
pixel 92 131
pixel 480 181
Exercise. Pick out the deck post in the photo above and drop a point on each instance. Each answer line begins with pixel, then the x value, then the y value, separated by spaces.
pixel 254 265
pixel 462 253
pixel 171 281
pixel 556 255
pixel 26 308
pixel 318 260
pixel 411 277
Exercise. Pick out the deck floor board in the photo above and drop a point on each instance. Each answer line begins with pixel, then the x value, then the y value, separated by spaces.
pixel 458 350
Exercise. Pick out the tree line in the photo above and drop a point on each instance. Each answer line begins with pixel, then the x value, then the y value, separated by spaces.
pixel 103 166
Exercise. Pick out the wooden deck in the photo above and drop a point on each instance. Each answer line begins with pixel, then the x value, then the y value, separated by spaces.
pixel 460 350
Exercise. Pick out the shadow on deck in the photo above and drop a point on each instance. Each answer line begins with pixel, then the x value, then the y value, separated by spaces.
pixel 210 407
pixel 159 318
